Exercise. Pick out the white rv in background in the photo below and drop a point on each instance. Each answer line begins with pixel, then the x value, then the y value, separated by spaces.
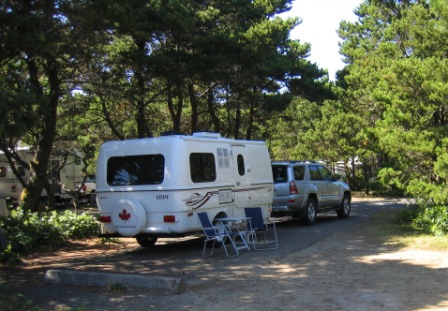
pixel 154 187
pixel 10 186
pixel 69 176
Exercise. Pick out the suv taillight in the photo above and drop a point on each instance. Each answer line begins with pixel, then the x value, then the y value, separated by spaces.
pixel 293 188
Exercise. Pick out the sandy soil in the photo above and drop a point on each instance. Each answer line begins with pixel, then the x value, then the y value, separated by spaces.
pixel 332 275
pixel 344 272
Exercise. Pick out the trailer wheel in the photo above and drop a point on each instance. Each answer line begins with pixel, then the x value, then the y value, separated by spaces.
pixel 146 242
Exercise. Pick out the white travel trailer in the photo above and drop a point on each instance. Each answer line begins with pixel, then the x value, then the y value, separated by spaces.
pixel 68 176
pixel 65 175
pixel 154 187
pixel 10 186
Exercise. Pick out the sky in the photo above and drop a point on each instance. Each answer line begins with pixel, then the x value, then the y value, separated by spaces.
pixel 320 20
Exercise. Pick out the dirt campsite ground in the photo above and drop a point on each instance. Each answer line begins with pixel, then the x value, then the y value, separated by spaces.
pixel 347 271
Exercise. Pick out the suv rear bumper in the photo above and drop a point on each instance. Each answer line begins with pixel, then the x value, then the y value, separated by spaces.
pixel 291 203
pixel 283 210
pixel 295 205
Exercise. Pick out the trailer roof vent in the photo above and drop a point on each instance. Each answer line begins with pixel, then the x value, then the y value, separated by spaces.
pixel 207 135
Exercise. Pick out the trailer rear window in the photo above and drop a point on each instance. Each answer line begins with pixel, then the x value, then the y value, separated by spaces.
pixel 136 170
pixel 202 167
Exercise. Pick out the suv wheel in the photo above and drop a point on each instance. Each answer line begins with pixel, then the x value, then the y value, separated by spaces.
pixel 346 207
pixel 310 214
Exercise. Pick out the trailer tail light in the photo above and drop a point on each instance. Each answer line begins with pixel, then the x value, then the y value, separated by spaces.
pixel 169 218
pixel 105 219
pixel 293 188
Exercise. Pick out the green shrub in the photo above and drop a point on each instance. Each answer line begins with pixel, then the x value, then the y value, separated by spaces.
pixel 74 226
pixel 432 219
pixel 28 232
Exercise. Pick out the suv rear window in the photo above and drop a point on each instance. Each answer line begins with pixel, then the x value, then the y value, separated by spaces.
pixel 280 174
pixel 136 170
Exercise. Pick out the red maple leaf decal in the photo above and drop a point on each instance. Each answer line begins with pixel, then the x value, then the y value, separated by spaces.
pixel 124 215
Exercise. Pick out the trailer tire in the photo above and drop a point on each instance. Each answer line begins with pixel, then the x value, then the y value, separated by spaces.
pixel 147 242
pixel 128 217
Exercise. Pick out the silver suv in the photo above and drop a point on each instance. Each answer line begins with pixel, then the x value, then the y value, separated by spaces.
pixel 303 189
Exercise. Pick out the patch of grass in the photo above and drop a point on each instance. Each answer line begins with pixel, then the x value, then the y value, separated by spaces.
pixel 394 228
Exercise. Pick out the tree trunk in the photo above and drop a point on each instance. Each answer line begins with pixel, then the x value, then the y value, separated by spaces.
pixel 175 111
pixel 237 124
pixel 250 123
pixel 46 136
pixel 194 108
pixel 212 112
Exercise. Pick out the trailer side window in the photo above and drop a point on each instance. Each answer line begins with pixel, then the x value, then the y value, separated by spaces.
pixel 136 170
pixel 241 167
pixel 202 167
pixel 2 171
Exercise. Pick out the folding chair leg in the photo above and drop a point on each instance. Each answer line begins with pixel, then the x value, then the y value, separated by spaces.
pixel 205 247
pixel 274 242
pixel 235 249
pixel 251 238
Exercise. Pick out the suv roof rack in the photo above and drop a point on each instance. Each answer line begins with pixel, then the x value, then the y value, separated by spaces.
pixel 295 161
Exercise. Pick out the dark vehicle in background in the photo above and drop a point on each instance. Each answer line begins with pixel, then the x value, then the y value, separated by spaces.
pixel 304 189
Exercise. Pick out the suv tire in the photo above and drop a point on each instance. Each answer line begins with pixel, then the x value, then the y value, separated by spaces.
pixel 310 213
pixel 346 207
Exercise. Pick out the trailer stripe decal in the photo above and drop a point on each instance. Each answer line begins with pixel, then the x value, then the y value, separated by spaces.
pixel 197 200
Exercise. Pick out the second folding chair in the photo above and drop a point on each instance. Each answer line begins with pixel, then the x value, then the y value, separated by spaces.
pixel 261 227
pixel 216 235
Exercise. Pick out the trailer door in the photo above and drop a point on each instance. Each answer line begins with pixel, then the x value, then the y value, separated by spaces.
pixel 241 175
